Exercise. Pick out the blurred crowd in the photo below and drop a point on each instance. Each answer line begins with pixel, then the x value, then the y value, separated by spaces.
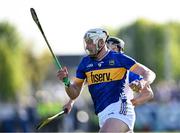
pixel 17 119
pixel 163 113
pixel 160 114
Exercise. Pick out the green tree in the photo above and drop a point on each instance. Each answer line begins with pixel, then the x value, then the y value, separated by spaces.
pixel 174 47
pixel 19 67
pixel 11 65
pixel 155 45
pixel 37 67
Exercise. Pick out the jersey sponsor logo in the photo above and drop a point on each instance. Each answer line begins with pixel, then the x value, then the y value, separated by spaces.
pixel 95 78
pixel 105 75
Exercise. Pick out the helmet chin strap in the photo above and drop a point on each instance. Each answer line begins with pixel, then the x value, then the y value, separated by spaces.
pixel 95 55
pixel 100 49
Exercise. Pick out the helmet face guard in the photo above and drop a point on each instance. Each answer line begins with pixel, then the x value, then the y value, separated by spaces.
pixel 91 47
pixel 91 40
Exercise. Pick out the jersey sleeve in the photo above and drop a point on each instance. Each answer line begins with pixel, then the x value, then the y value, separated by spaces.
pixel 127 62
pixel 80 73
pixel 132 77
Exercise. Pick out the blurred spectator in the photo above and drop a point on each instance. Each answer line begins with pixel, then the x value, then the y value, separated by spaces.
pixel 7 117
pixel 162 114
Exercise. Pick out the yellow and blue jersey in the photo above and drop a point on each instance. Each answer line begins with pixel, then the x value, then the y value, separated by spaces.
pixel 105 78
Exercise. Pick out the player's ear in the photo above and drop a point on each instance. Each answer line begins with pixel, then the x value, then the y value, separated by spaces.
pixel 101 43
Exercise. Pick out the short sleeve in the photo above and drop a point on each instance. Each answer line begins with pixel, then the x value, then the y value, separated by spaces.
pixel 80 72
pixel 126 61
pixel 132 77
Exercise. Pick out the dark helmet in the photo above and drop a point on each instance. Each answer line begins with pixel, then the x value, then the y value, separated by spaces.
pixel 116 41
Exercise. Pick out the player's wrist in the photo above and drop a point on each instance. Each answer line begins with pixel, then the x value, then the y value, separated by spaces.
pixel 71 101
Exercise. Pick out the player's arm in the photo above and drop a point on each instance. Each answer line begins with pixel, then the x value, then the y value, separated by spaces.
pixel 143 96
pixel 142 86
pixel 73 89
pixel 69 105
pixel 147 74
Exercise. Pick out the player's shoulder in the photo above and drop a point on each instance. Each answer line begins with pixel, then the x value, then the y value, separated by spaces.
pixel 85 58
pixel 115 54
pixel 118 55
pixel 84 61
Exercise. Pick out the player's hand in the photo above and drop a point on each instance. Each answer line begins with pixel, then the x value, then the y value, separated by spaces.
pixel 144 96
pixel 63 73
pixel 137 85
pixel 69 105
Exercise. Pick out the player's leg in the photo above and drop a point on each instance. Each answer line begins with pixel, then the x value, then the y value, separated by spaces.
pixel 114 125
